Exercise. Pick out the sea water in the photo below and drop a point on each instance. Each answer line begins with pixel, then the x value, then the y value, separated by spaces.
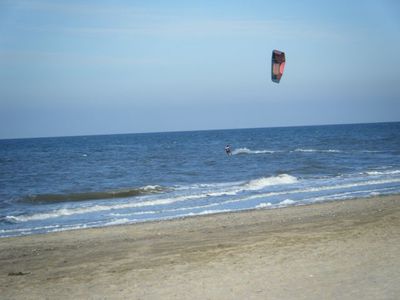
pixel 55 184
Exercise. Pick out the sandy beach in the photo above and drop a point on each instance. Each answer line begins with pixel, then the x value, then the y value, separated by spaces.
pixel 336 250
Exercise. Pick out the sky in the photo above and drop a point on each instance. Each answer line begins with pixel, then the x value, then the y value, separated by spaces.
pixel 104 67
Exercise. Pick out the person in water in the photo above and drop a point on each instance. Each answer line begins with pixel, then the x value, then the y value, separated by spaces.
pixel 228 150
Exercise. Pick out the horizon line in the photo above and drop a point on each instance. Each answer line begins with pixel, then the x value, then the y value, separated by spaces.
pixel 194 130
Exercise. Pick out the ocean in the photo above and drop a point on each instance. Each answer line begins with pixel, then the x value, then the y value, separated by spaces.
pixel 64 183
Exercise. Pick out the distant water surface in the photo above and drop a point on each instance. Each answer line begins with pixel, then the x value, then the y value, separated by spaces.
pixel 53 184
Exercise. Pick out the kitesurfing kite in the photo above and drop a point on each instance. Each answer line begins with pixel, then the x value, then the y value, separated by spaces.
pixel 277 65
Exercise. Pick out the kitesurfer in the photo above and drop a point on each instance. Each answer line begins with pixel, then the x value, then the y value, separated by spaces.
pixel 228 150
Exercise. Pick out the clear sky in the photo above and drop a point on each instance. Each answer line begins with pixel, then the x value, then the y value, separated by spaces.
pixel 102 67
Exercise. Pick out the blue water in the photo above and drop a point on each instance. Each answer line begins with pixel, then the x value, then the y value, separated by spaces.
pixel 53 184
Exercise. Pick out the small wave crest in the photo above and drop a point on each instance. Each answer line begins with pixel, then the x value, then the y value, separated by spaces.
pixel 125 193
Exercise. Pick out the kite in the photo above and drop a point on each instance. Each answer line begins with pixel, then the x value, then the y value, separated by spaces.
pixel 277 65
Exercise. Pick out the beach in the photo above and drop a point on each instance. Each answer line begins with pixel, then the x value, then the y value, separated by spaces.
pixel 332 250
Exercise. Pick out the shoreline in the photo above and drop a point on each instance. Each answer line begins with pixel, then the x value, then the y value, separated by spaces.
pixel 342 249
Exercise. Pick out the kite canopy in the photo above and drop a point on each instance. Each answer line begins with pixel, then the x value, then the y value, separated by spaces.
pixel 277 65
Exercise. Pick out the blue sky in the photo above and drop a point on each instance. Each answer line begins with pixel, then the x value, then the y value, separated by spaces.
pixel 101 67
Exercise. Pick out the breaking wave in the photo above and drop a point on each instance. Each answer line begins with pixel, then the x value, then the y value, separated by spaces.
pixel 263 182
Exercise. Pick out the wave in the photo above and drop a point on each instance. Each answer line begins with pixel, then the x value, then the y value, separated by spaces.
pixel 248 151
pixel 287 202
pixel 237 189
pixel 258 184
pixel 390 172
pixel 268 198
pixel 118 222
pixel 70 197
pixel 252 185
pixel 264 205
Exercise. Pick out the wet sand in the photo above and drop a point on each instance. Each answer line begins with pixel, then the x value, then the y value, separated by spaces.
pixel 337 250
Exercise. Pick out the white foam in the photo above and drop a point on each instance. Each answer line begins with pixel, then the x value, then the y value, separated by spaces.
pixel 260 183
pixel 31 229
pixel 373 173
pixel 264 205
pixel 80 226
pixel 151 212
pixel 248 151
pixel 208 212
pixel 287 202
pixel 392 172
pixel 11 219
pixel 317 150
pixel 349 195
pixel 48 228
pixel 118 222
pixel 305 150
pixel 357 184
pixel 255 184
pixel 151 187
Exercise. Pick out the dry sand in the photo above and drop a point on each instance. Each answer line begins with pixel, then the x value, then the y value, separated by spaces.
pixel 338 250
